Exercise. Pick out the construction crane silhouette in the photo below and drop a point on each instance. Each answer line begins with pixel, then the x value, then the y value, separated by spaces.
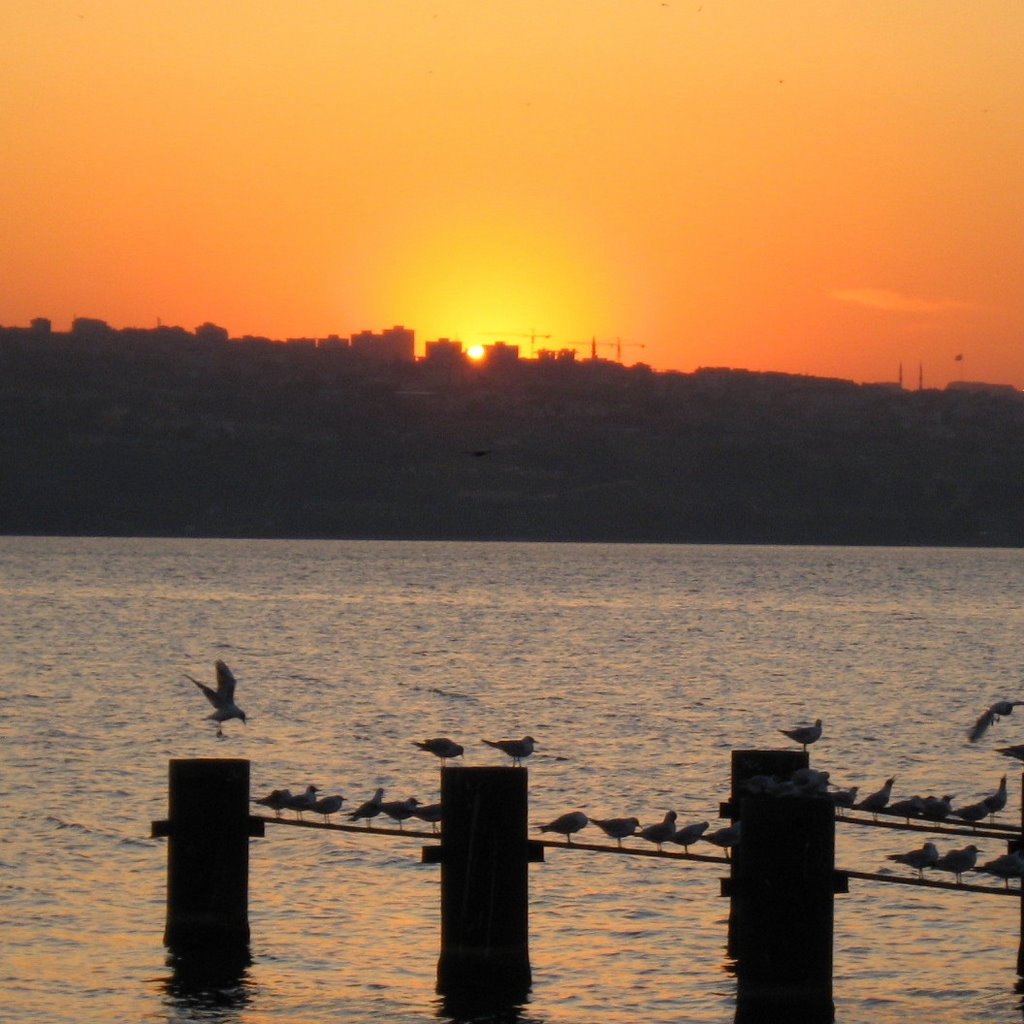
pixel 532 335
pixel 618 344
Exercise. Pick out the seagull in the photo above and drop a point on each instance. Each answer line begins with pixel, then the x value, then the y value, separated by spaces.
pixel 441 747
pixel 911 807
pixel 662 832
pixel 924 857
pixel 277 800
pixel 937 808
pixel 809 781
pixel 991 715
pixel 516 749
pixel 302 801
pixel 689 834
pixel 804 734
pixel 1006 866
pixel 369 809
pixel 399 810
pixel 566 824
pixel 972 813
pixel 844 798
pixel 223 698
pixel 328 805
pixel 726 838
pixel 617 828
pixel 429 812
pixel 997 801
pixel 958 861
pixel 1016 751
pixel 877 801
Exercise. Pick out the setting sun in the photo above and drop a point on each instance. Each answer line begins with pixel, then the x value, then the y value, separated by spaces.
pixel 803 187
pixel 476 352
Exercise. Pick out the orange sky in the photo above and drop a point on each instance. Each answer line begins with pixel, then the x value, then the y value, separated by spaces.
pixel 816 187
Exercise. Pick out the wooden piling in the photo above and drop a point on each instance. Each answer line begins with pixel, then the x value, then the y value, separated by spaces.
pixel 784 889
pixel 208 830
pixel 484 885
pixel 1017 846
pixel 745 765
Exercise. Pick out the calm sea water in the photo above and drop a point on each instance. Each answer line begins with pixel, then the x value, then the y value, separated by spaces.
pixel 637 669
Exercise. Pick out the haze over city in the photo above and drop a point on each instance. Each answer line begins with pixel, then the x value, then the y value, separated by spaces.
pixel 825 189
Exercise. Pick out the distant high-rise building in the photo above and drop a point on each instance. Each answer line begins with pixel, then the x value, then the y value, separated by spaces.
pixel 89 329
pixel 443 351
pixel 397 345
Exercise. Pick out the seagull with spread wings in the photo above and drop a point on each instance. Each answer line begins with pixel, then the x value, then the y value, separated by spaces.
pixel 991 715
pixel 223 698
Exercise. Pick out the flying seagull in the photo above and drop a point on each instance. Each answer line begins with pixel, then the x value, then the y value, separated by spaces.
pixel 991 715
pixel 223 698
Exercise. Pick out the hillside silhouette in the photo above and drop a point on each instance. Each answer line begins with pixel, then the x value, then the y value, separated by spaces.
pixel 168 432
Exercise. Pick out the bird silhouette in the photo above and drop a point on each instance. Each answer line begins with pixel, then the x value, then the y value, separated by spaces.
pixel 516 749
pixel 804 734
pixel 223 698
pixel 441 747
pixel 989 717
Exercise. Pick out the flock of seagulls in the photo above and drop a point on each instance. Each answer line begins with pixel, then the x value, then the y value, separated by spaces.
pixel 1006 866
pixel 279 800
pixel 803 782
pixel 659 833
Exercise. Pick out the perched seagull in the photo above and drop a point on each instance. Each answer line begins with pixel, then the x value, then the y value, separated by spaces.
pixel 566 824
pixel 763 784
pixel 276 800
pixel 877 801
pixel 844 798
pixel 516 749
pixel 997 801
pixel 958 861
pixel 223 698
pixel 810 779
pixel 972 813
pixel 911 807
pixel 302 801
pixel 441 747
pixel 804 734
pixel 937 808
pixel 689 834
pixel 662 832
pixel 617 828
pixel 1007 866
pixel 369 809
pixel 925 857
pixel 328 805
pixel 1000 709
pixel 429 812
pixel 1016 751
pixel 399 810
pixel 726 838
